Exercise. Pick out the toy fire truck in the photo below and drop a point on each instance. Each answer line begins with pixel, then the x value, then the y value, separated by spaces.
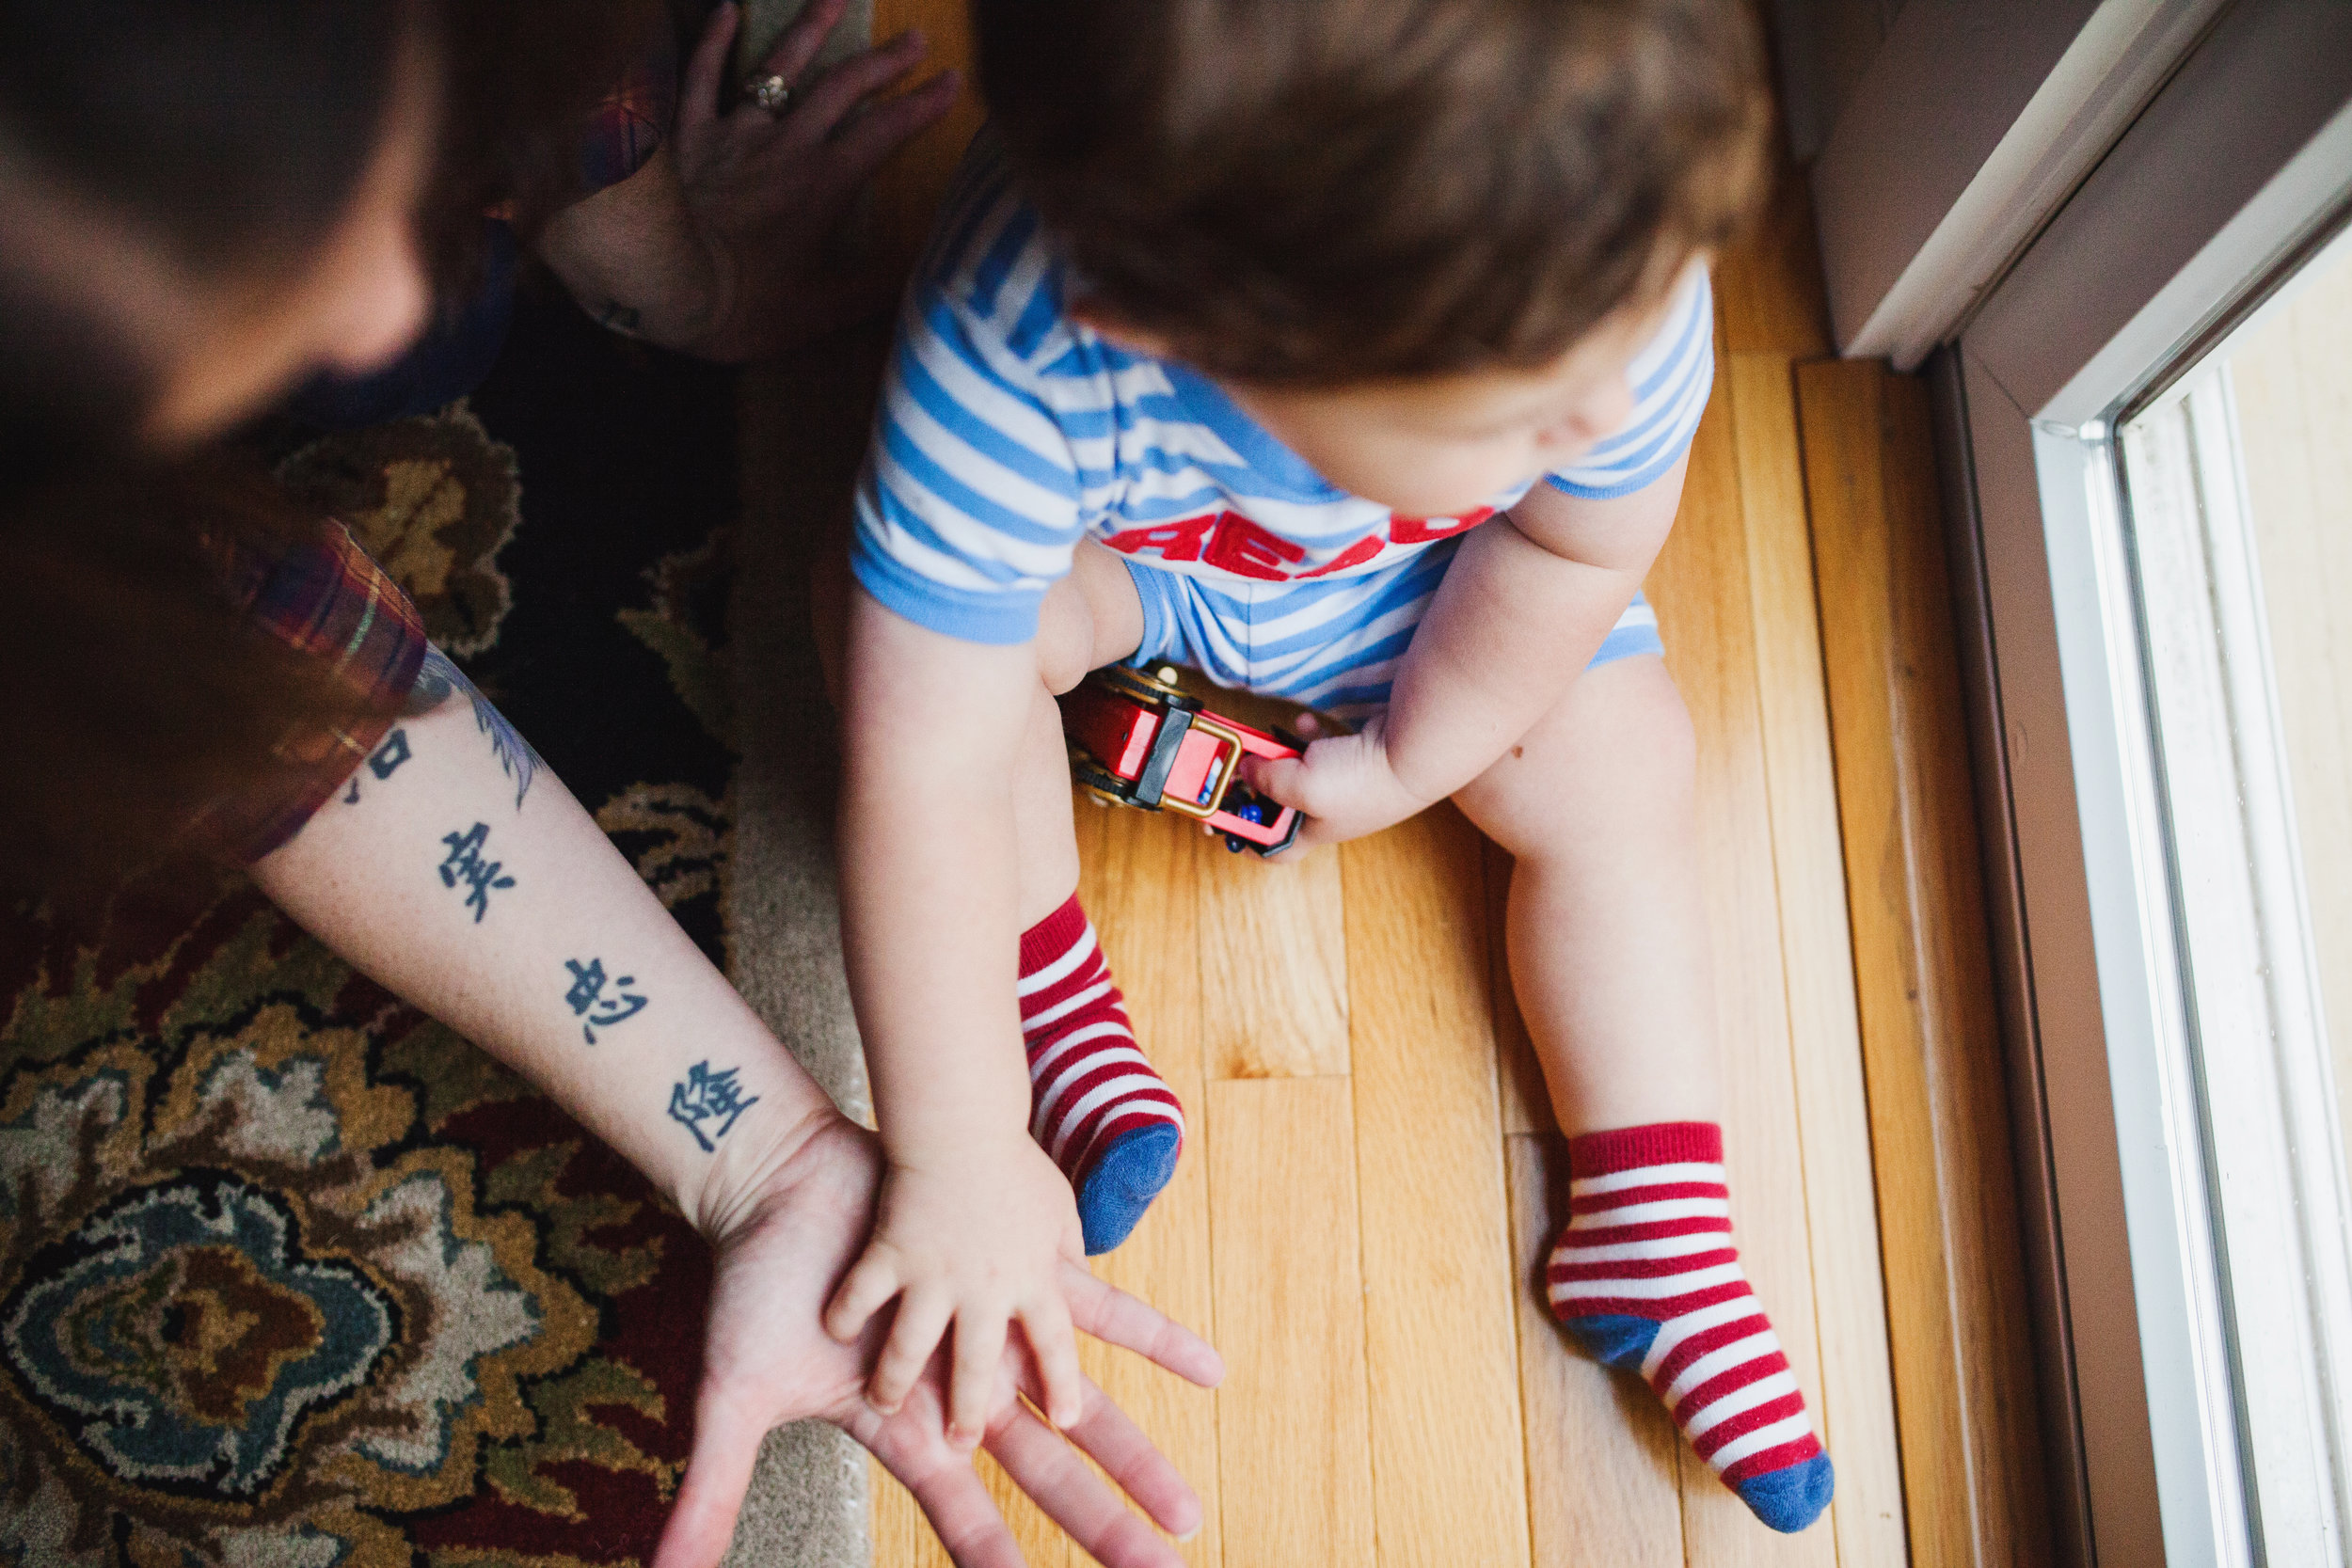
pixel 1138 741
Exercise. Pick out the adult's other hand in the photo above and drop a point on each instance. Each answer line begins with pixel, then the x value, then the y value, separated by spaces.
pixel 766 192
pixel 724 245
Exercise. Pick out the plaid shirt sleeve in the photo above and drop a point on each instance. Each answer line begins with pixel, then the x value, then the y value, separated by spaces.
pixel 329 601
pixel 622 132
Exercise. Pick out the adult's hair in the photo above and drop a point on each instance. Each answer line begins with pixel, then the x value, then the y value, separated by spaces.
pixel 1311 192
pixel 224 140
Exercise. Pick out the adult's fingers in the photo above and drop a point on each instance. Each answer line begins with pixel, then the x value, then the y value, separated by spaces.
pixel 1110 1437
pixel 971 1380
pixel 717 1473
pixel 951 1495
pixel 923 1317
pixel 698 88
pixel 849 83
pixel 875 134
pixel 798 44
pixel 1116 1318
pixel 1050 1471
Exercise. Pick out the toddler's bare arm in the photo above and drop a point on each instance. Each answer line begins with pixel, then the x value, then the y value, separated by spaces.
pixel 1520 613
pixel 975 1219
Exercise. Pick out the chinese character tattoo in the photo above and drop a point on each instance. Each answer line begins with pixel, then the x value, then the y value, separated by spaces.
pixel 464 864
pixel 589 1002
pixel 436 679
pixel 383 762
pixel 703 1096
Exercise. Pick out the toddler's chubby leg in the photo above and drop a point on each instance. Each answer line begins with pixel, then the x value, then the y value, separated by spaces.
pixel 1608 948
pixel 1096 1105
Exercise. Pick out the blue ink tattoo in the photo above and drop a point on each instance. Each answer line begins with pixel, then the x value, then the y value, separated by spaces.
pixel 436 679
pixel 705 1096
pixel 588 1000
pixel 383 762
pixel 464 864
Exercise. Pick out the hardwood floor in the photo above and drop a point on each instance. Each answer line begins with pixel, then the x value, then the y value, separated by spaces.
pixel 1372 1178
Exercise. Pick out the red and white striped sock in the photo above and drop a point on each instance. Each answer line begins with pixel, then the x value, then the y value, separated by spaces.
pixel 1109 1121
pixel 1646 1275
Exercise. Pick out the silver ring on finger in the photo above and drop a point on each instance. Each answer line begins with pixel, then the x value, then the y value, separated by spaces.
pixel 771 92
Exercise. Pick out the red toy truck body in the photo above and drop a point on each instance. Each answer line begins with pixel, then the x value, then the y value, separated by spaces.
pixel 1142 742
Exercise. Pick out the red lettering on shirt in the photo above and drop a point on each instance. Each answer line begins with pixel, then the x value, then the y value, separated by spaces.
pixel 1232 543
pixel 1242 547
pixel 1419 530
pixel 1176 540
pixel 1354 554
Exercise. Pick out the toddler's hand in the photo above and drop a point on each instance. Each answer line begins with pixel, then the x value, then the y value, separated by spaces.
pixel 970 1242
pixel 1343 784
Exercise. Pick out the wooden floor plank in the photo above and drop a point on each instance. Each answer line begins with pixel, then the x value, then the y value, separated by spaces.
pixel 1857 1411
pixel 1293 1452
pixel 1447 1443
pixel 1603 1485
pixel 902 1537
pixel 1700 586
pixel 1140 881
pixel 1956 1301
pixel 1272 964
pixel 1768 285
pixel 1526 1102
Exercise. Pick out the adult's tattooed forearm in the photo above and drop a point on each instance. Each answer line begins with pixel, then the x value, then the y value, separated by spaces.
pixel 437 679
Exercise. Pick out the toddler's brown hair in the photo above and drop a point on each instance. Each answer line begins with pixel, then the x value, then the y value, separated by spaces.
pixel 1316 192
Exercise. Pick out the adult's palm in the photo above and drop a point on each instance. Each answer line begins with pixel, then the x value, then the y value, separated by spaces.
pixel 767 1361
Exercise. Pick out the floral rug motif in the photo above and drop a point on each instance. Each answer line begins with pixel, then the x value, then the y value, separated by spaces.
pixel 289 1273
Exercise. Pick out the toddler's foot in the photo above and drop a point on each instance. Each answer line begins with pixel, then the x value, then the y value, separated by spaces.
pixel 1645 1275
pixel 1106 1118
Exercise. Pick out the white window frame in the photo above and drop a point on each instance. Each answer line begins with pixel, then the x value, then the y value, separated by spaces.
pixel 2232 174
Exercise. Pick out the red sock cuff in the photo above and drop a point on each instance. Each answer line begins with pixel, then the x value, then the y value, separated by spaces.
pixel 1051 937
pixel 1660 1143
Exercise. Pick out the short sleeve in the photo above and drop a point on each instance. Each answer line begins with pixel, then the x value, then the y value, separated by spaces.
pixel 1671 377
pixel 327 601
pixel 968 508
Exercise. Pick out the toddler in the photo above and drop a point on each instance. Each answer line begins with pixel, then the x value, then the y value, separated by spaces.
pixel 1350 351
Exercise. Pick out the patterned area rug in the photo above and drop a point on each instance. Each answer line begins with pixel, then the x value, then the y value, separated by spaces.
pixel 288 1273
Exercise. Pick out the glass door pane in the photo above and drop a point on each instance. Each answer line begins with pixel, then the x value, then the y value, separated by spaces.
pixel 2238 490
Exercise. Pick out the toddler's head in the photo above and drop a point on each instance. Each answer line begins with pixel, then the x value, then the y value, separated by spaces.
pixel 1417 240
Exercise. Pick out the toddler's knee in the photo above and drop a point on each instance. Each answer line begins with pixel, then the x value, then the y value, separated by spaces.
pixel 1060 669
pixel 1651 748
pixel 1065 639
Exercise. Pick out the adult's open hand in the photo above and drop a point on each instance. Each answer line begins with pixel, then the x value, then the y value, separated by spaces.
pixel 767 1361
pixel 765 193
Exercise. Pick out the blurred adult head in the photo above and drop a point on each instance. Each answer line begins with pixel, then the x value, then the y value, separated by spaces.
pixel 202 202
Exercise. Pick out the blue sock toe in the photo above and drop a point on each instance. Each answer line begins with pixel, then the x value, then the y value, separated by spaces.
pixel 1791 1497
pixel 1126 1178
pixel 1615 1340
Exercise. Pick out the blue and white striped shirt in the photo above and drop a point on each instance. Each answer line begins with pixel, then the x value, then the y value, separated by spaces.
pixel 1008 432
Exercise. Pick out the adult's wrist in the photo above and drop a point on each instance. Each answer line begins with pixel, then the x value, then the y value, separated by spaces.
pixel 730 1189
